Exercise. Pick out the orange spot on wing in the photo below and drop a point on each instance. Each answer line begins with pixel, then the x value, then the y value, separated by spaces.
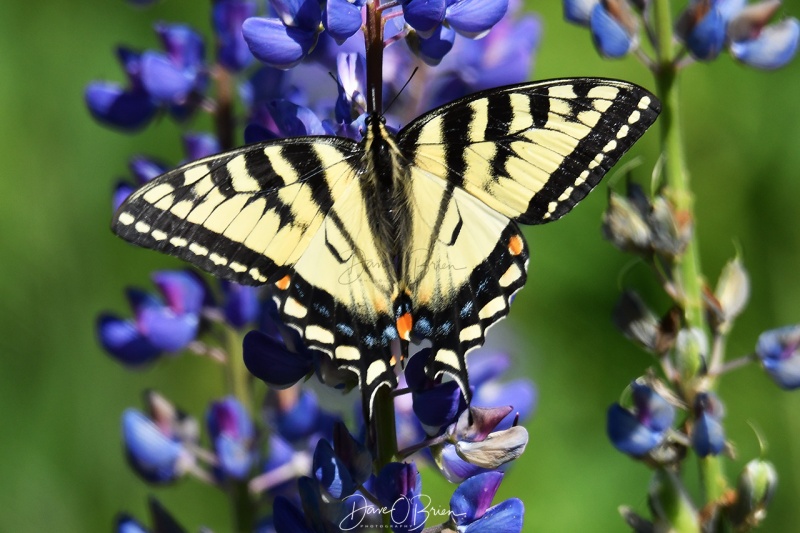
pixel 515 245
pixel 283 283
pixel 404 324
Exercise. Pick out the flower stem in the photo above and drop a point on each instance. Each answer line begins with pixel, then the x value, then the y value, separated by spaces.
pixel 687 272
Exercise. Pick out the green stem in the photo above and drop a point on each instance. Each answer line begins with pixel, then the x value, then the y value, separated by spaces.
pixel 687 270
pixel 238 384
pixel 687 273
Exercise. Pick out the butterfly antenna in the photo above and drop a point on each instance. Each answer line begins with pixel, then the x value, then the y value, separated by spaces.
pixel 403 88
pixel 336 81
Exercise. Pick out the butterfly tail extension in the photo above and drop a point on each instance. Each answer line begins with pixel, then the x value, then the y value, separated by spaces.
pixel 480 303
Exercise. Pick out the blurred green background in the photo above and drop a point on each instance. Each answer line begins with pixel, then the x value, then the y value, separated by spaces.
pixel 61 462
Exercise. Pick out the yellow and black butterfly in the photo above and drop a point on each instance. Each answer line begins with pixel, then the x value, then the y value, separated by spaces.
pixel 395 237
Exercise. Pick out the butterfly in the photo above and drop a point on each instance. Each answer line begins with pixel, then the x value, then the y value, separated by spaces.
pixel 369 245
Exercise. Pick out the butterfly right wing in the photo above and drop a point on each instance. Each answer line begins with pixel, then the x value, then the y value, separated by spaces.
pixel 289 213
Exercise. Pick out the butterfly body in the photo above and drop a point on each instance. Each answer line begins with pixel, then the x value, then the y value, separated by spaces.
pixel 396 237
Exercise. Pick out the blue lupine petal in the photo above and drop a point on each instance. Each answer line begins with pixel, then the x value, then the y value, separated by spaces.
pixel 265 85
pixel 519 393
pixel 342 18
pixel 474 17
pixel 628 434
pixel 241 304
pixel 270 361
pixel 474 496
pixel 610 37
pixel 130 61
pixel 287 518
pixel 200 145
pixel 145 169
pixel 114 106
pixel 454 468
pixel 121 192
pixel 331 472
pixel 152 454
pixel 507 516
pixel 398 486
pixel 235 458
pixel 354 455
pixel 127 524
pixel 276 44
pixel 295 120
pixel 167 330
pixel 164 80
pixel 183 290
pixel 579 11
pixel 439 405
pixel 652 409
pixel 779 354
pixel 729 8
pixel 773 48
pixel 305 14
pixel 121 339
pixel 415 375
pixel 232 433
pixel 706 39
pixel 140 300
pixel 487 366
pixel 434 48
pixel 424 15
pixel 351 101
pixel 708 436
pixel 183 45
pixel 227 17
pixel 303 419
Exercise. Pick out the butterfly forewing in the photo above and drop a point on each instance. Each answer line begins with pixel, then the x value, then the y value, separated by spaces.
pixel 532 151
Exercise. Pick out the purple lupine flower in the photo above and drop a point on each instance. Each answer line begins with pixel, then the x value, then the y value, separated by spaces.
pixel 424 15
pixel 755 42
pixel 167 325
pixel 433 48
pixel 227 17
pixel 284 41
pixel 269 359
pixel 435 404
pixel 487 370
pixel 128 108
pixel 579 11
pixel 199 145
pixel 708 435
pixel 342 18
pixel 708 26
pixel 470 506
pixel 703 24
pixel 473 18
pixel 283 465
pixel 779 352
pixel 475 444
pixel 125 523
pixel 641 429
pixel 302 418
pixel 614 28
pixel 232 435
pixel 287 518
pixel 503 57
pixel 170 77
pixel 331 472
pixel 153 451
pixel 398 487
pixel 240 303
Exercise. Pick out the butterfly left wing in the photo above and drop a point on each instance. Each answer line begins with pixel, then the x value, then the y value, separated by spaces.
pixel 524 153
pixel 290 213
